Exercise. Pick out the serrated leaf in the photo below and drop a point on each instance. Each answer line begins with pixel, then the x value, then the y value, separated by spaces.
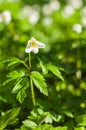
pixel 55 71
pixel 14 75
pixel 29 124
pixel 14 62
pixel 8 117
pixel 16 88
pixel 21 95
pixel 39 82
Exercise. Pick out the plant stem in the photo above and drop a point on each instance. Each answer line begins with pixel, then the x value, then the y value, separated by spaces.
pixel 25 65
pixel 32 91
pixel 29 60
pixel 31 83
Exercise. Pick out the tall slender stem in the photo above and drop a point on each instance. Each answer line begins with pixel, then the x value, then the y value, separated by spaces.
pixel 29 60
pixel 31 83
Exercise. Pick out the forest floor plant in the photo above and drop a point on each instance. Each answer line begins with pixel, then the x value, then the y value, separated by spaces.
pixel 20 79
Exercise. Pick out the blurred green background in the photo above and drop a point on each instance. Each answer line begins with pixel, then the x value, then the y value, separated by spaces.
pixel 61 26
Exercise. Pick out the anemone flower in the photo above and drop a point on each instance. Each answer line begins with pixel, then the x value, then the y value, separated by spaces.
pixel 33 46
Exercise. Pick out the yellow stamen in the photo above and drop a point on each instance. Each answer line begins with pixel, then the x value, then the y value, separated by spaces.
pixel 33 44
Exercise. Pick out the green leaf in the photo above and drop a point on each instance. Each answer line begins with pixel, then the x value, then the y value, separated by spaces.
pixel 44 69
pixel 48 118
pixel 44 127
pixel 23 127
pixel 55 71
pixel 13 76
pixel 3 99
pixel 60 128
pixel 81 120
pixel 16 88
pixel 79 128
pixel 68 113
pixel 14 62
pixel 7 59
pixel 29 124
pixel 8 117
pixel 16 74
pixel 39 82
pixel 21 95
pixel 13 121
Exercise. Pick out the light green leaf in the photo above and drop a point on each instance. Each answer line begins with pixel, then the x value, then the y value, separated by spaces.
pixel 21 95
pixel 16 88
pixel 23 127
pixel 14 62
pixel 79 128
pixel 39 82
pixel 81 120
pixel 14 75
pixel 29 124
pixel 60 128
pixel 68 113
pixel 44 127
pixel 48 118
pixel 55 71
pixel 8 117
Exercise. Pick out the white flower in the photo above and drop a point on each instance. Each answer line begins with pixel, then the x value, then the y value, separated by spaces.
pixel 68 11
pixel 33 45
pixel 77 28
pixel 47 21
pixel 5 17
pixel 34 17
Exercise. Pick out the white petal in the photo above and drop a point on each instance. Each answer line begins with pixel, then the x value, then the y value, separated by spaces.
pixel 35 50
pixel 40 44
pixel 28 50
pixel 33 39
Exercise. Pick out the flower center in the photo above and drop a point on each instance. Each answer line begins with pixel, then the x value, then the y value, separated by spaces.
pixel 33 44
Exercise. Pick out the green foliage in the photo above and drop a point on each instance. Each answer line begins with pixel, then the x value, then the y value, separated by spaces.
pixel 39 82
pixel 55 71
pixel 8 117
pixel 58 72
pixel 81 120
pixel 14 75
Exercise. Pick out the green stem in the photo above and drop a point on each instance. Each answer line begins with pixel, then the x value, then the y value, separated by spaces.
pixel 25 65
pixel 32 91
pixel 29 60
pixel 31 83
